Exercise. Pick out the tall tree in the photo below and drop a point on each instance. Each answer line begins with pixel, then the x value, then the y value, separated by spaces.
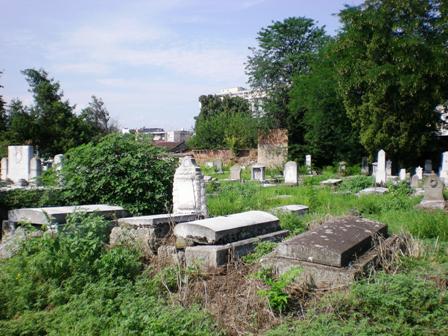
pixel 393 71
pixel 224 122
pixel 318 109
pixel 96 114
pixel 285 48
pixel 22 125
pixel 3 116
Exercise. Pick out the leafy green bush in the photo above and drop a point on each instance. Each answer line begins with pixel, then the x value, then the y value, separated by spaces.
pixel 276 294
pixel 120 170
pixel 262 248
pixel 357 183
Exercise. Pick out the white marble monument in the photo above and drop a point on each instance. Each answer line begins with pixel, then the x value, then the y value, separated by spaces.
pixel 381 174
pixel 443 173
pixel 290 172
pixel 19 158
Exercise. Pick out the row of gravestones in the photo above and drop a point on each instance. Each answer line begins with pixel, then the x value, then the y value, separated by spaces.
pixel 382 170
pixel 23 167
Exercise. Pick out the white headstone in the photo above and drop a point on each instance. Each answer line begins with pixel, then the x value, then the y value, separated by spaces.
pixel 444 169
pixel 308 161
pixel 381 174
pixel 35 169
pixel 4 172
pixel 290 172
pixel 19 158
pixel 58 162
pixel 189 189
pixel 419 172
pixel 258 172
pixel 402 174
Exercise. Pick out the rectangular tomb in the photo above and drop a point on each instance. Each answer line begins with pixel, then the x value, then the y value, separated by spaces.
pixel 227 229
pixel 334 243
pixel 58 215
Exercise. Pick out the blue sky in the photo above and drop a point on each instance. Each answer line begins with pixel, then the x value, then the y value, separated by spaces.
pixel 148 60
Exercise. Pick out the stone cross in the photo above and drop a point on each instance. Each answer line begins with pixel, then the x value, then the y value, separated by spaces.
pixel 290 172
pixel 381 173
pixel 235 172
pixel 444 169
pixel 189 189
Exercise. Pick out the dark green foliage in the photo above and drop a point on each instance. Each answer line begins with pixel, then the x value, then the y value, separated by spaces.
pixel 285 49
pixel 317 115
pixel 399 304
pixel 392 73
pixel 240 131
pixel 120 170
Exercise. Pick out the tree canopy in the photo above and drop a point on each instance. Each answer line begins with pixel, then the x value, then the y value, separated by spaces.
pixel 392 71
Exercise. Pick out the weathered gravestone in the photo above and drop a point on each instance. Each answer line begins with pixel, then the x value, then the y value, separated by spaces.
pixel 388 168
pixel 364 166
pixel 381 174
pixel 419 172
pixel 35 169
pixel 308 164
pixel 333 254
pixel 4 173
pixel 58 215
pixel 444 168
pixel 433 197
pixel 290 173
pixel 258 172
pixel 402 174
pixel 296 209
pixel 428 167
pixel 19 158
pixel 342 168
pixel 146 233
pixel 189 189
pixel 374 168
pixel 218 166
pixel 235 172
pixel 211 243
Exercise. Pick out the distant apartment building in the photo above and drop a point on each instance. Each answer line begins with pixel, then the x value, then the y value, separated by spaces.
pixel 159 134
pixel 255 98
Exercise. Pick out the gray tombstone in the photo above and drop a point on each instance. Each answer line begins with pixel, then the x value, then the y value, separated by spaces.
pixel 218 166
pixel 388 168
pixel 364 166
pixel 444 168
pixel 374 168
pixel 258 172
pixel 290 172
pixel 189 189
pixel 428 167
pixel 342 169
pixel 4 171
pixel 235 172
pixel 381 173
pixel 415 182
pixel 433 197
pixel 35 169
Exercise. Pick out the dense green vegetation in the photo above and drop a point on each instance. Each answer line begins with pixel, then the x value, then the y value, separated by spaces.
pixel 120 170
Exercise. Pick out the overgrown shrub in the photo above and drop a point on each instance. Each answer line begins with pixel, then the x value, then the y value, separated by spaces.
pixel 357 183
pixel 120 170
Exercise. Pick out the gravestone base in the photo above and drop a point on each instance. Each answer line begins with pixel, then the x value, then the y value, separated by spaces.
pixel 432 205
pixel 213 258
pixel 296 209
pixel 328 277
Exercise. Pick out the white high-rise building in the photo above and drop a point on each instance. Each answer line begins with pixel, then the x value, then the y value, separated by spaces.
pixel 254 97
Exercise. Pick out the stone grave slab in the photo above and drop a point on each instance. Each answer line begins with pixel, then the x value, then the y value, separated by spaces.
pixel 373 190
pixel 331 182
pixel 211 258
pixel 226 229
pixel 296 209
pixel 334 243
pixel 58 215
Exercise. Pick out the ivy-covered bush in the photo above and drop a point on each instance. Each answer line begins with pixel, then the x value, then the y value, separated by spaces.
pixel 120 170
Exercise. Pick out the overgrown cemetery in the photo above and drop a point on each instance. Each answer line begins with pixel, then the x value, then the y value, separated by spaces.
pixel 313 202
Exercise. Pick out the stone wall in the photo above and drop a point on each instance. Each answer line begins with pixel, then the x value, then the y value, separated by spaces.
pixel 273 148
pixel 245 157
